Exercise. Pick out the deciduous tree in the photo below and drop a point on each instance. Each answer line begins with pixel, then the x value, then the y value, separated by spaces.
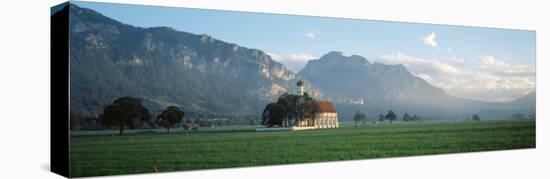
pixel 475 117
pixel 273 114
pixel 125 111
pixel 391 116
pixel 359 117
pixel 289 107
pixel 169 117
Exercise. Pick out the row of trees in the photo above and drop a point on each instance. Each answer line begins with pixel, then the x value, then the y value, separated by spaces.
pixel 407 118
pixel 361 117
pixel 291 108
pixel 81 121
pixel 521 116
pixel 128 112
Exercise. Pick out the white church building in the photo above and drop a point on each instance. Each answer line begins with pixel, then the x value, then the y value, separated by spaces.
pixel 327 117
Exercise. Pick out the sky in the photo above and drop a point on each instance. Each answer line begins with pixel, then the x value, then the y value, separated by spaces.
pixel 487 64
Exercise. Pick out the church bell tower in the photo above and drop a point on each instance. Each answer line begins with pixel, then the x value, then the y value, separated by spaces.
pixel 301 87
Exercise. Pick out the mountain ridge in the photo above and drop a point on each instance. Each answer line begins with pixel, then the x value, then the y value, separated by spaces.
pixel 208 76
pixel 165 66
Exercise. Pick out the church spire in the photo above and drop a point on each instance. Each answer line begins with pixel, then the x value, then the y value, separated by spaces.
pixel 301 87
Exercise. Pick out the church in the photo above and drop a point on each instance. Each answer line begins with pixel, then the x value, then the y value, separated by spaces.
pixel 327 117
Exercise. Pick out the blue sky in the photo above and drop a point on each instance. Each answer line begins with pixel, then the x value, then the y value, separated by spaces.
pixel 427 50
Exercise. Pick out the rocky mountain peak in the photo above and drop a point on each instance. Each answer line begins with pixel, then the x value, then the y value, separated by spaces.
pixel 337 57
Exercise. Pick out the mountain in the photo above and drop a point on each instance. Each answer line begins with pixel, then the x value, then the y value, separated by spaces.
pixel 525 105
pixel 210 77
pixel 355 77
pixel 528 100
pixel 163 66
pixel 384 87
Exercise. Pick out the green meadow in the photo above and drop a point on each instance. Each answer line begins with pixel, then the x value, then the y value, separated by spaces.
pixel 101 153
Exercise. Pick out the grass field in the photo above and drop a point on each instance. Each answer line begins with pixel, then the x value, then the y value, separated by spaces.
pixel 93 154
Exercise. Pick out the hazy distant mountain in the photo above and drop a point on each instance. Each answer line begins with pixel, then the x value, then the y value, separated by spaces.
pixel 164 66
pixel 379 84
pixel 528 100
pixel 525 105
pixel 384 87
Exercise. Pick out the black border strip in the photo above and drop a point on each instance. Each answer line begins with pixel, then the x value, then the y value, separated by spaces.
pixel 59 89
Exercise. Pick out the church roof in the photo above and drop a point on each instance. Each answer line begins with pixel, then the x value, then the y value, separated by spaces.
pixel 325 106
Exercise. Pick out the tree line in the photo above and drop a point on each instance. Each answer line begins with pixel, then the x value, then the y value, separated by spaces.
pixel 79 121
pixel 360 117
pixel 129 112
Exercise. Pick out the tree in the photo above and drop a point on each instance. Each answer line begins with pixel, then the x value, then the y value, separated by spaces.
pixel 406 117
pixel 475 117
pixel 305 107
pixel 289 107
pixel 273 114
pixel 167 118
pixel 286 107
pixel 381 118
pixel 359 117
pixel 125 111
pixel 391 116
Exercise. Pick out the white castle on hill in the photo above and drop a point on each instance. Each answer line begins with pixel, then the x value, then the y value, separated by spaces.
pixel 357 101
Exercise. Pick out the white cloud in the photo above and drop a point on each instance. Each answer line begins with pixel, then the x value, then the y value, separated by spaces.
pixel 487 78
pixel 491 64
pixel 312 33
pixel 419 65
pixel 430 40
pixel 294 62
